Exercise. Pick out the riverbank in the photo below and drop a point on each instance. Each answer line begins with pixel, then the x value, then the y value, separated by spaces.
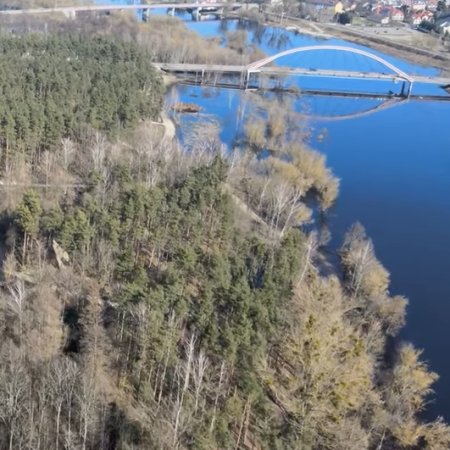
pixel 388 43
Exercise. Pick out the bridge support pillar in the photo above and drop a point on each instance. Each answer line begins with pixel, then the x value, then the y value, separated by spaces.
pixel 245 80
pixel 407 86
pixel 145 15
pixel 410 86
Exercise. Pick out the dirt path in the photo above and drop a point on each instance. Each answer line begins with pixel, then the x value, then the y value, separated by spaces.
pixel 169 127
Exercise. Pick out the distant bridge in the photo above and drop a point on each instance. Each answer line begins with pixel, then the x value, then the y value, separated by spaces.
pixel 72 10
pixel 202 71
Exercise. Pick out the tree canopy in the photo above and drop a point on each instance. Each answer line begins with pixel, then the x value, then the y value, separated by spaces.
pixel 55 86
pixel 157 298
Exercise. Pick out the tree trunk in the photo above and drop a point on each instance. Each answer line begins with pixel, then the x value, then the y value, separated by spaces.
pixel 187 373
pixel 216 401
pixel 58 419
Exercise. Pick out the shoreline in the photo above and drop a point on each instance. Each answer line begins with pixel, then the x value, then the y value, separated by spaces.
pixel 409 53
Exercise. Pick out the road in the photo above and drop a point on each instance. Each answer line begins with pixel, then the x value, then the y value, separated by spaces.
pixel 286 71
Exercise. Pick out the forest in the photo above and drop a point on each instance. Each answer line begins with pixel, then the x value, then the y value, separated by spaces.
pixel 159 296
pixel 57 86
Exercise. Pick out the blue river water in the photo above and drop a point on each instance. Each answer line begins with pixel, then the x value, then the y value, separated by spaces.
pixel 394 167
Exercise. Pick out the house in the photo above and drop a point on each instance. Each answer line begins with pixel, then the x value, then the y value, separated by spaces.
pixel 418 5
pixel 418 17
pixel 320 10
pixel 339 8
pixel 381 17
pixel 432 5
pixel 397 15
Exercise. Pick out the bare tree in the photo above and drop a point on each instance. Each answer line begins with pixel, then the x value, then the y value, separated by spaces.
pixel 86 397
pixel 200 366
pixel 13 391
pixel 98 148
pixel 190 349
pixel 66 152
pixel 62 384
pixel 47 164
pixel 16 301
pixel 219 393
pixel 311 246
pixel 364 273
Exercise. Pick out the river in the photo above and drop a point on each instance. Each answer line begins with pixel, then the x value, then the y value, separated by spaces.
pixel 394 167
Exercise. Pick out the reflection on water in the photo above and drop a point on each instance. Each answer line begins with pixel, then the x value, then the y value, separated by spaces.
pixel 272 40
pixel 275 38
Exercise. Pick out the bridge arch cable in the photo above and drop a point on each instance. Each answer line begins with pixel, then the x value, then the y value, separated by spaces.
pixel 373 66
pixel 364 65
pixel 256 66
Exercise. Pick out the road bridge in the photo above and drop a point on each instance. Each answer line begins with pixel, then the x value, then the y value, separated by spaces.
pixel 202 72
pixel 72 10
pixel 180 68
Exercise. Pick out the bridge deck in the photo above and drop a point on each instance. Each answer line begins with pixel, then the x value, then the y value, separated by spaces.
pixel 75 9
pixel 286 71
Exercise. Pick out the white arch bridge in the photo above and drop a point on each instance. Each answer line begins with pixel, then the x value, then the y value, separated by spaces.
pixel 214 73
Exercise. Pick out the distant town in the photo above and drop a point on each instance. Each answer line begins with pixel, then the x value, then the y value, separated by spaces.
pixel 427 15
